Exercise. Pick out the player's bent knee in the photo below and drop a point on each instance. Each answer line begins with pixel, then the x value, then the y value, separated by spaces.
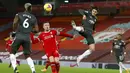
pixel 26 55
pixel 51 59
pixel 92 47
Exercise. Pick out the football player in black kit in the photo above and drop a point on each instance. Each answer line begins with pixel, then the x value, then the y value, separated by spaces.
pixel 89 20
pixel 118 47
pixel 23 24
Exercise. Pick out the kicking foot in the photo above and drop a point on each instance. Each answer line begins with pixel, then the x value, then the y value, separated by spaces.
pixel 73 65
pixel 16 70
pixel 44 70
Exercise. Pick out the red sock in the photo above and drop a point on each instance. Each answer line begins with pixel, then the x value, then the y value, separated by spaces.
pixel 53 68
pixel 58 67
pixel 47 64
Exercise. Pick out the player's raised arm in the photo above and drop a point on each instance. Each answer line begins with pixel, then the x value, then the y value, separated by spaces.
pixel 33 39
pixel 15 22
pixel 124 43
pixel 112 49
pixel 83 12
pixel 64 34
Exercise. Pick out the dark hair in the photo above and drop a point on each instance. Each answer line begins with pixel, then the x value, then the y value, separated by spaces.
pixel 96 8
pixel 120 35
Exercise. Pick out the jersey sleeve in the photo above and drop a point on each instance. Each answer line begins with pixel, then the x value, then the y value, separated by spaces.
pixel 113 44
pixel 123 44
pixel 55 32
pixel 8 45
pixel 17 14
pixel 33 39
pixel 83 12
pixel 62 34
pixel 40 36
pixel 35 21
pixel 65 34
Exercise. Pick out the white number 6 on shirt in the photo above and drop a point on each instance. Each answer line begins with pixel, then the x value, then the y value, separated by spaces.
pixel 25 23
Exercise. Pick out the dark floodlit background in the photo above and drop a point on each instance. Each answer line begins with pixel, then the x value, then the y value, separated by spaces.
pixel 114 16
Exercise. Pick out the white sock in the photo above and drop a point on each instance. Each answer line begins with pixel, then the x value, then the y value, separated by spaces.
pixel 85 54
pixel 120 68
pixel 13 60
pixel 78 28
pixel 122 65
pixel 31 64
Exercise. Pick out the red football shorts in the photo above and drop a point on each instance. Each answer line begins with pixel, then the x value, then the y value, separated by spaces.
pixel 54 53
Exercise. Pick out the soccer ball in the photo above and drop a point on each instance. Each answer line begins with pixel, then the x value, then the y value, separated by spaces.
pixel 47 7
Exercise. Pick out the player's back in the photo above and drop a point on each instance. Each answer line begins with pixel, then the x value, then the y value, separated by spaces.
pixel 26 22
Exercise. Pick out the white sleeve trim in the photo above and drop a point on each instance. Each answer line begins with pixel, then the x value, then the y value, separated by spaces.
pixel 58 33
pixel 86 11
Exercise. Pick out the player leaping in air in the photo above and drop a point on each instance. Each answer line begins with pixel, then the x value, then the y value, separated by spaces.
pixel 48 37
pixel 89 20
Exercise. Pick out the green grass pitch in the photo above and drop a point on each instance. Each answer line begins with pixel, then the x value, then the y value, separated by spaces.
pixel 25 69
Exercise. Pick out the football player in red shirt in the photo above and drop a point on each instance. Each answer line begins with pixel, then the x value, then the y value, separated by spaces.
pixel 48 37
pixel 8 47
pixel 58 46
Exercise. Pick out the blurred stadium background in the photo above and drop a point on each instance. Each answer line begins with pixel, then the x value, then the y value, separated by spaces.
pixel 114 16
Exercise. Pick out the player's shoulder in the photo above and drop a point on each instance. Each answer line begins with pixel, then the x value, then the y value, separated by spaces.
pixel 30 14
pixel 33 17
pixel 8 41
pixel 27 13
pixel 53 30
pixel 41 33
pixel 19 13
pixel 87 11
